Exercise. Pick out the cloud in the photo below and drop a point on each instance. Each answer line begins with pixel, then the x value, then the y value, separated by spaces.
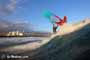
pixel 21 25
pixel 8 7
pixel 11 6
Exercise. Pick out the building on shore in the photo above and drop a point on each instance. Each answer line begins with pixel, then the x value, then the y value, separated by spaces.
pixel 14 33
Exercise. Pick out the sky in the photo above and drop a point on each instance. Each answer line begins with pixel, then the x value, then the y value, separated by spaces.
pixel 30 11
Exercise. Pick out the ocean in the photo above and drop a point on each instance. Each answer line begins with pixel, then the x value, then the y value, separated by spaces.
pixel 7 41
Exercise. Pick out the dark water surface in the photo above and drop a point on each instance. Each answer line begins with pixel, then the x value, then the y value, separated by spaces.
pixel 4 42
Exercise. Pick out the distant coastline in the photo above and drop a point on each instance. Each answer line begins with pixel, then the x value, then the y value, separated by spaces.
pixel 28 34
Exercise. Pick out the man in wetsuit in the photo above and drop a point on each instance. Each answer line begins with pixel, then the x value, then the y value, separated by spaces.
pixel 55 28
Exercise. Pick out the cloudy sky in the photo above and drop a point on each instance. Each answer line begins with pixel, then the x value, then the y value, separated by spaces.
pixel 23 12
